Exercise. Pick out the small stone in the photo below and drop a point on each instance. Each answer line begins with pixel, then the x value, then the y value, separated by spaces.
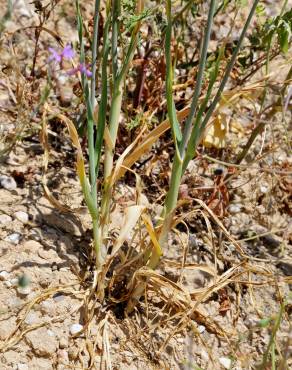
pixel 4 275
pixel 63 357
pixel 48 307
pixel 264 189
pixel 201 329
pixel 234 208
pixel 8 183
pixel 21 216
pixel 204 355
pixel 225 362
pixel 24 291
pixel 32 318
pixel 180 339
pixel 63 343
pixel 75 328
pixel 58 297
pixel 13 238
pixel 14 282
pixel 22 367
pixel 51 333
pixel 42 343
pixel 5 219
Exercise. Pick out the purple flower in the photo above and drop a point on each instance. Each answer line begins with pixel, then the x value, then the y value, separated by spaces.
pixel 54 56
pixel 67 53
pixel 80 68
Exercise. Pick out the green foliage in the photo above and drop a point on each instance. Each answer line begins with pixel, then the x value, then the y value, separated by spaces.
pixel 129 18
pixel 23 281
pixel 278 28
pixel 6 16
pixel 134 122
pixel 264 323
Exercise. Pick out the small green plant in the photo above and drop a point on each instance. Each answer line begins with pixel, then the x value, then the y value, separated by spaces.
pixel 270 358
pixel 109 71
pixel 6 16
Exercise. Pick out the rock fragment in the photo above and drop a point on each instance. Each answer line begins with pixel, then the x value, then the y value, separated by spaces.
pixel 8 182
pixel 5 219
pixel 75 328
pixel 13 238
pixel 225 362
pixel 4 275
pixel 42 343
pixel 21 216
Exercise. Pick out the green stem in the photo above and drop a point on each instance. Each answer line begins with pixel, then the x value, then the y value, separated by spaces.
pixel 177 168
pixel 97 242
pixel 94 52
pixel 115 31
pixel 191 147
pixel 109 155
pixel 104 97
pixel 116 104
pixel 198 87
pixel 171 200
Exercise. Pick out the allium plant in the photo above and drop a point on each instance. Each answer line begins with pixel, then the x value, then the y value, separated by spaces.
pixel 112 73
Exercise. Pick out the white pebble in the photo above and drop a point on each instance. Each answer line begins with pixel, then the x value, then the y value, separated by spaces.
pixel 201 329
pixel 264 189
pixel 225 362
pixel 59 298
pixel 13 238
pixel 4 275
pixel 75 328
pixel 24 291
pixel 22 367
pixel 21 216
pixel 32 318
pixel 8 183
pixel 204 355
pixel 14 282
pixel 51 333
pixel 234 208
pixel 5 219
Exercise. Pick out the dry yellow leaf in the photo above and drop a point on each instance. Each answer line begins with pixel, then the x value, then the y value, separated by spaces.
pixel 216 134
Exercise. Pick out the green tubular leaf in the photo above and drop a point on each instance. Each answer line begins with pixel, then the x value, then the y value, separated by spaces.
pixel 284 34
pixel 87 194
pixel 176 126
pixel 115 31
pixel 103 102
pixel 197 130
pixel 192 143
pixel 94 51
pixel 203 57
pixel 89 110
pixel 169 95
